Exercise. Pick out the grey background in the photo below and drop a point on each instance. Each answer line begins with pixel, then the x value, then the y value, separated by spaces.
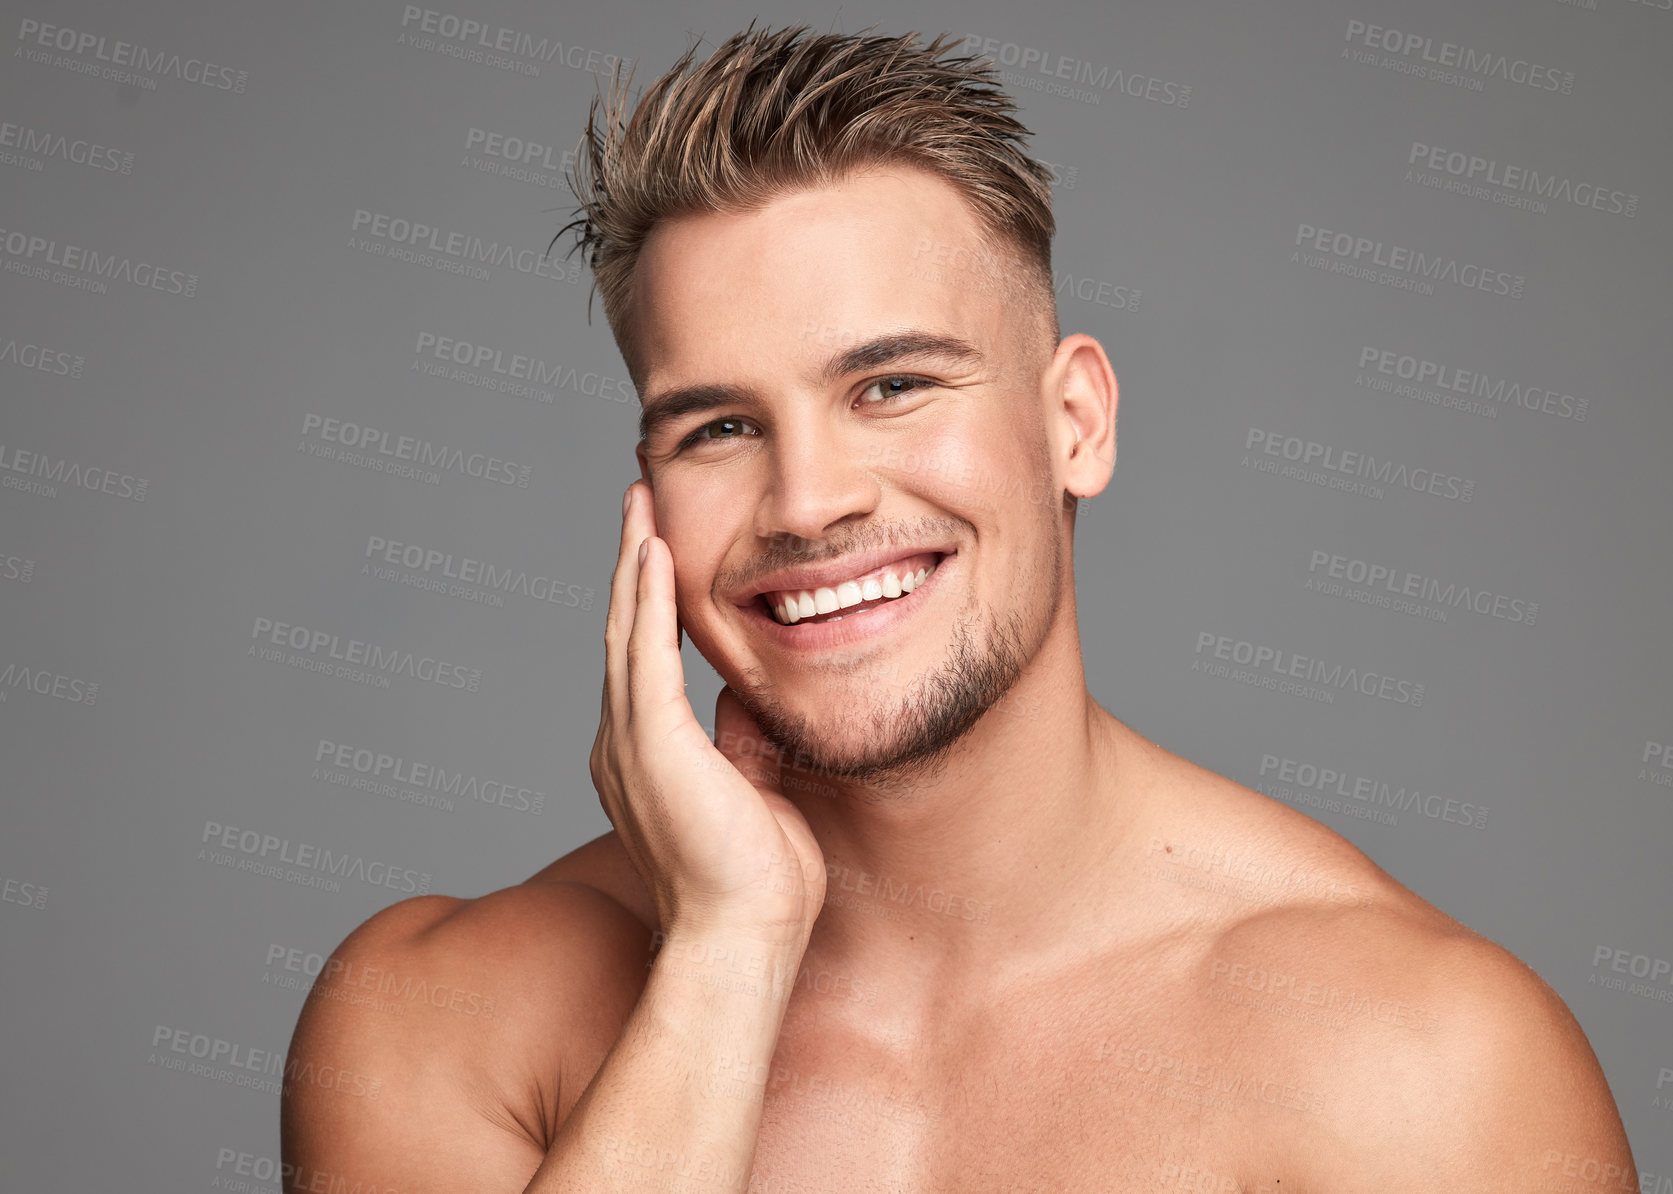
pixel 117 929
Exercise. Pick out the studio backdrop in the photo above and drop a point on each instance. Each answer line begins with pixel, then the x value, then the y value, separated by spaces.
pixel 311 463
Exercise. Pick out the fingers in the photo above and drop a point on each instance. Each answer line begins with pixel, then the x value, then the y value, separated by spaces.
pixel 650 677
pixel 638 525
pixel 655 675
pixel 745 747
pixel 618 622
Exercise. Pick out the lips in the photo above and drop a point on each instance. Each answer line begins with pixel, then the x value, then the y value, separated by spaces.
pixel 850 568
pixel 854 627
pixel 892 582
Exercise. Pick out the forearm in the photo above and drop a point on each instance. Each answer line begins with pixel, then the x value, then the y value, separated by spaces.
pixel 676 1104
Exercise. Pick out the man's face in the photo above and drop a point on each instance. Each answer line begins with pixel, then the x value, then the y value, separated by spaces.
pixel 890 457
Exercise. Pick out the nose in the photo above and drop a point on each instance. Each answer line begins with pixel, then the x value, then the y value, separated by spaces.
pixel 818 476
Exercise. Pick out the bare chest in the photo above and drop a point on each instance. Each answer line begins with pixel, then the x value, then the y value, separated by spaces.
pixel 1071 1093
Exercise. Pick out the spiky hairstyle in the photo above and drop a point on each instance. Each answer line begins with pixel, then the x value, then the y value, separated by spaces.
pixel 773 111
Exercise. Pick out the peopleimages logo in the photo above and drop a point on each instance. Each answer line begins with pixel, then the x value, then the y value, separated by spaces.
pixel 262 850
pixel 1376 795
pixel 1614 968
pixel 403 454
pixel 1092 290
pixel 227 1061
pixel 1659 755
pixel 234 1169
pixel 1342 252
pixel 1061 176
pixel 491 367
pixel 440 567
pixel 1393 583
pixel 496 45
pixel 43 682
pixel 522 150
pixel 1286 667
pixel 36 39
pixel 1421 372
pixel 18 568
pixel 37 356
pixel 1466 59
pixel 88 269
pixel 1041 70
pixel 455 252
pixel 21 145
pixel 381 767
pixel 1344 469
pixel 19 465
pixel 313 649
pixel 22 893
pixel 521 158
pixel 1475 174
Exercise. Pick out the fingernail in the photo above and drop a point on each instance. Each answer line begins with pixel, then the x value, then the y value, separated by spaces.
pixel 627 500
pixel 643 548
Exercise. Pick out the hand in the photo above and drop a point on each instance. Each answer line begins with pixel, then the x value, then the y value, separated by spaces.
pixel 707 827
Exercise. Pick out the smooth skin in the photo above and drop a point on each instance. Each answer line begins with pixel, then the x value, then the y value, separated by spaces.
pixel 1030 950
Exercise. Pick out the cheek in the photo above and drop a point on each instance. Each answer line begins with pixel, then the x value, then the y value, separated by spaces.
pixel 972 467
pixel 692 542
pixel 931 457
pixel 692 581
pixel 681 523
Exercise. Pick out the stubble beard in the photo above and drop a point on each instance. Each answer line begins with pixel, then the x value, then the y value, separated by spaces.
pixel 910 739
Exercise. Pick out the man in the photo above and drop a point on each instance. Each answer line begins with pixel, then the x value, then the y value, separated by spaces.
pixel 923 916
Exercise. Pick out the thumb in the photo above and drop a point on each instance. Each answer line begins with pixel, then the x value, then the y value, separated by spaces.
pixel 745 747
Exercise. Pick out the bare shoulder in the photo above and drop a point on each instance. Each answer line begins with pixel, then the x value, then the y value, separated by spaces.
pixel 446 1039
pixel 1472 1068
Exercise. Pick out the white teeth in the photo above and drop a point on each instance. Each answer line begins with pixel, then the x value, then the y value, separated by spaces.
pixel 793 608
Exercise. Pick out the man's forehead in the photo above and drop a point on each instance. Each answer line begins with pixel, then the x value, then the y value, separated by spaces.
pixel 799 281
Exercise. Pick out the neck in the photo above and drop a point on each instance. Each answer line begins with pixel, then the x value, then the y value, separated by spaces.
pixel 942 874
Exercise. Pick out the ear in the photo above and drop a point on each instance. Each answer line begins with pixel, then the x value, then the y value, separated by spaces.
pixel 1083 396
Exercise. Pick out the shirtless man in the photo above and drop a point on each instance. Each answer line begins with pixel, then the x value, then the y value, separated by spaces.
pixel 923 916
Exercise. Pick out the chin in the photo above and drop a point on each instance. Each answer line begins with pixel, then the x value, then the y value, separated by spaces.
pixel 839 733
pixel 848 733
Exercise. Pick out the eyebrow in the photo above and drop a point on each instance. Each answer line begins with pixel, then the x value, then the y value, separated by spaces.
pixel 673 405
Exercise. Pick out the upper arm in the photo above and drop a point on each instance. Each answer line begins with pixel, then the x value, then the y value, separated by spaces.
pixel 436 1047
pixel 1514 1098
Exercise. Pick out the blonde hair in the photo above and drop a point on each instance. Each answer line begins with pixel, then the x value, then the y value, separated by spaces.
pixel 769 112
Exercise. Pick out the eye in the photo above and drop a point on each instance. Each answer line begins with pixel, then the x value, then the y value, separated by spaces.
pixel 896 386
pixel 702 433
pixel 889 389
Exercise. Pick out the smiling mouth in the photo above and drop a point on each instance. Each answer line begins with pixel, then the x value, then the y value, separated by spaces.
pixel 847 599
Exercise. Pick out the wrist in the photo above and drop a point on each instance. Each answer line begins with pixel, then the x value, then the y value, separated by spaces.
pixel 726 958
pixel 723 935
